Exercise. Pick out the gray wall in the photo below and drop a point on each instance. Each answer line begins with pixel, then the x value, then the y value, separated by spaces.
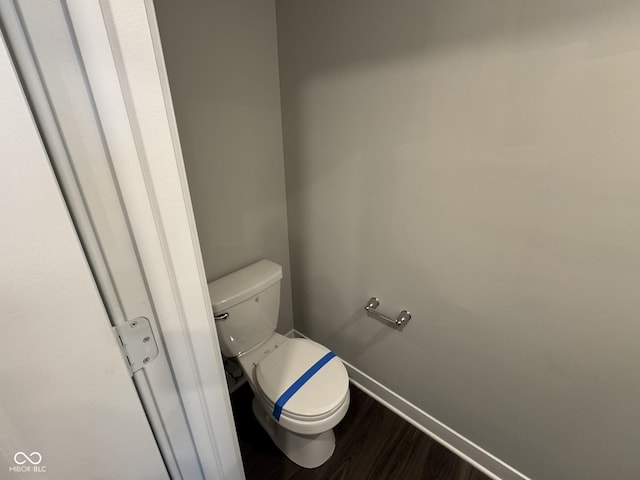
pixel 476 162
pixel 222 63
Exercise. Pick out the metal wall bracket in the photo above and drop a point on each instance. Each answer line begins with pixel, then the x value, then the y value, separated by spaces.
pixel 137 343
pixel 399 322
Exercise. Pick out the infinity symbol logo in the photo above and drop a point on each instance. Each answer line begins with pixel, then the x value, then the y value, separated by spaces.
pixel 27 458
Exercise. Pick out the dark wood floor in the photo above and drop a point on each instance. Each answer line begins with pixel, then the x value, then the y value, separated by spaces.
pixel 372 443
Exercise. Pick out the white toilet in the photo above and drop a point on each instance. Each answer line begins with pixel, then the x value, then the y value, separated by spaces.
pixel 301 389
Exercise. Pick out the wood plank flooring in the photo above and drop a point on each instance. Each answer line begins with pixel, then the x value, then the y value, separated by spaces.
pixel 372 443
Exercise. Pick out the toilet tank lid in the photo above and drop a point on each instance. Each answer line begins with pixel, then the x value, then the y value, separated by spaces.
pixel 243 284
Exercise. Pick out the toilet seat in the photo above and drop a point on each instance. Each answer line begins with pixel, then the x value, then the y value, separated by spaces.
pixel 322 396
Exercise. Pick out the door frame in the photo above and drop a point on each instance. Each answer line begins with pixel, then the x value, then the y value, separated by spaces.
pixel 61 366
pixel 120 47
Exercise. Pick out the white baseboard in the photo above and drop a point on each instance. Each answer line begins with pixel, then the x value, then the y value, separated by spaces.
pixel 449 438
pixel 292 334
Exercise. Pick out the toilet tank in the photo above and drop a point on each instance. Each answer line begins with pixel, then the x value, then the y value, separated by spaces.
pixel 250 298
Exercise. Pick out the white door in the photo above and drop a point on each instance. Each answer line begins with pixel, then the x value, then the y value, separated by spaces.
pixel 68 407
pixel 97 86
pixel 47 56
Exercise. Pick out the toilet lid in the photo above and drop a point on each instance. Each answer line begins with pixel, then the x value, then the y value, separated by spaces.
pixel 323 392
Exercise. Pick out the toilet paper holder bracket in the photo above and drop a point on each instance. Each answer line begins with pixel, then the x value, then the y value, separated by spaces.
pixel 399 322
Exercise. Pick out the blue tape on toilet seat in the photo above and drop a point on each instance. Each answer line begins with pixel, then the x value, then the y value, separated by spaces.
pixel 304 378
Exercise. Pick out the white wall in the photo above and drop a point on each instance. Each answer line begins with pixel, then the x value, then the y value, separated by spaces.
pixel 222 62
pixel 475 162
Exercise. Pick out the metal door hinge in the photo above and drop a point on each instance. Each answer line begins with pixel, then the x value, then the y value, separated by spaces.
pixel 137 342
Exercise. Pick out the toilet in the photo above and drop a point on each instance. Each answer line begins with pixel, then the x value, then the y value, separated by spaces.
pixel 301 389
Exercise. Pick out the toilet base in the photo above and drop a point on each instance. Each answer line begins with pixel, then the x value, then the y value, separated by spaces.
pixel 308 451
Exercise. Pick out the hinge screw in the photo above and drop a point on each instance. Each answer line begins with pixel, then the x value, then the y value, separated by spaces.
pixel 134 323
pixel 146 360
pixel 146 339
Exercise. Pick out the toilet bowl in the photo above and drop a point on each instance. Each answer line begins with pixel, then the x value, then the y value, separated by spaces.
pixel 301 389
pixel 304 429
